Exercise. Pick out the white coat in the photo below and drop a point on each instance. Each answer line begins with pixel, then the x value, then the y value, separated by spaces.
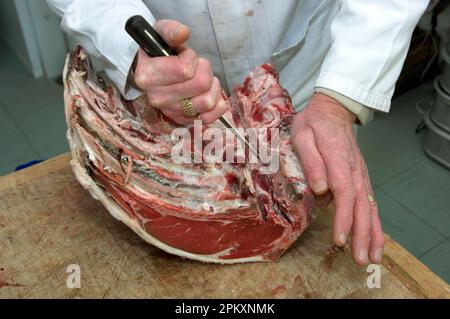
pixel 354 47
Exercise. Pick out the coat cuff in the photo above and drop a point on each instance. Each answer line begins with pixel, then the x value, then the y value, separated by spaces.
pixel 364 113
pixel 356 91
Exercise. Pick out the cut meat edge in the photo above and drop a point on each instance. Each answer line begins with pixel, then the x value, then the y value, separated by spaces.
pixel 117 212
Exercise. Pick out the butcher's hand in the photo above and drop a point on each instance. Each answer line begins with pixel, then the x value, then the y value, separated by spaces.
pixel 324 139
pixel 168 80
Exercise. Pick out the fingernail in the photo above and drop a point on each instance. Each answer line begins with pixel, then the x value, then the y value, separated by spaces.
pixel 342 239
pixel 319 186
pixel 378 255
pixel 177 30
pixel 363 255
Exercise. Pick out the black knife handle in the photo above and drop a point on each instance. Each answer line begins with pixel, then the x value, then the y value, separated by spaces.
pixel 147 37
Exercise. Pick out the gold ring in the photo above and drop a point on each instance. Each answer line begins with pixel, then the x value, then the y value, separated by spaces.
pixel 371 198
pixel 188 108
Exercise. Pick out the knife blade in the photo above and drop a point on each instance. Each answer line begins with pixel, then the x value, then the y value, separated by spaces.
pixel 155 46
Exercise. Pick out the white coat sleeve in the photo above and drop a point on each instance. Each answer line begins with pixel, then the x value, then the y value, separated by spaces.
pixel 99 26
pixel 370 40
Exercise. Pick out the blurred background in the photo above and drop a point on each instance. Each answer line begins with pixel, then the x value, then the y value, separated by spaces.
pixel 407 150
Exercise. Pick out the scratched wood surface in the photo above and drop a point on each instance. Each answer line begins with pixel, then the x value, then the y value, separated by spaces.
pixel 47 222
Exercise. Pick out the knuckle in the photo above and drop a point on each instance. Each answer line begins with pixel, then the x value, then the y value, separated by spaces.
pixel 365 237
pixel 344 190
pixel 208 103
pixel 155 101
pixel 141 79
pixel 192 53
pixel 223 106
pixel 361 236
pixel 205 63
pixel 351 194
pixel 203 83
pixel 187 71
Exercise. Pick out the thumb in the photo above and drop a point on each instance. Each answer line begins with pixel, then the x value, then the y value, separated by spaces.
pixel 173 32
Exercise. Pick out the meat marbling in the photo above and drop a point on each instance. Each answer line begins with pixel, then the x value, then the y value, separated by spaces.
pixel 217 212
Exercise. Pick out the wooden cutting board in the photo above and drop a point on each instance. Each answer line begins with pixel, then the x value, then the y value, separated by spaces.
pixel 48 222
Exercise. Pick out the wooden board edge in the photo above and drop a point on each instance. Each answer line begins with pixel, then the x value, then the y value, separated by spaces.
pixel 36 171
pixel 407 268
pixel 413 273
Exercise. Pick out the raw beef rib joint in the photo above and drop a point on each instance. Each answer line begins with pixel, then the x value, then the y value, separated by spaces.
pixel 224 213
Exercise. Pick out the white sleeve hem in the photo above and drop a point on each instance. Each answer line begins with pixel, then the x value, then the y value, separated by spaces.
pixel 355 91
